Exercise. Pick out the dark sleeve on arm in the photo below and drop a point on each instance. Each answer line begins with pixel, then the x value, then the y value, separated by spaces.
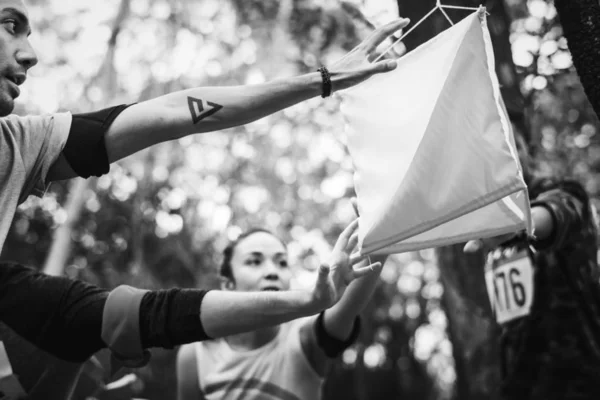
pixel 568 205
pixel 64 317
pixel 171 318
pixel 134 320
pixel 85 149
pixel 59 315
pixel 580 20
pixel 331 346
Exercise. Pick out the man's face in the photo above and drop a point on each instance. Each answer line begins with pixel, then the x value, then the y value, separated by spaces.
pixel 259 262
pixel 16 54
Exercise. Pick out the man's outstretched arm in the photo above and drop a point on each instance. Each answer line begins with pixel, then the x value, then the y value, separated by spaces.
pixel 198 110
pixel 72 319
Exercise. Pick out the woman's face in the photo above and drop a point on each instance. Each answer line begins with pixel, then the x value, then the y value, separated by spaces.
pixel 259 262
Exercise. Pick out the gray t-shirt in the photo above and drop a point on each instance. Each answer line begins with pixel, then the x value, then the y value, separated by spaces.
pixel 28 148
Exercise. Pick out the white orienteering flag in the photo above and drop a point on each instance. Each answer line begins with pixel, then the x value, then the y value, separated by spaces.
pixel 433 149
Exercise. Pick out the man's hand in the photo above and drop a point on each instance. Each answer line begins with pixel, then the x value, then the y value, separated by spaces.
pixel 356 66
pixel 334 277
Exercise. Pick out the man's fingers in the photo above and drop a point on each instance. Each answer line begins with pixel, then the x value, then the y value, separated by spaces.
pixel 394 53
pixel 383 66
pixel 368 270
pixel 399 49
pixel 374 56
pixel 383 32
pixel 352 242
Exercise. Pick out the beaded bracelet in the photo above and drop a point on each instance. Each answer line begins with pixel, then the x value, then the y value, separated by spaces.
pixel 326 76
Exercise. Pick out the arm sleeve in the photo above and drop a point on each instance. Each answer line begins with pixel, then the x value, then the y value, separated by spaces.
pixel 580 20
pixel 568 205
pixel 85 150
pixel 171 317
pixel 331 346
pixel 40 140
pixel 58 315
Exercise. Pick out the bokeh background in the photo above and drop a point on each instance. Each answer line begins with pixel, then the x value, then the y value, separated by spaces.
pixel 161 217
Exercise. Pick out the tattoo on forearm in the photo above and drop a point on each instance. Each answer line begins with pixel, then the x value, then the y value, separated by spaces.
pixel 201 109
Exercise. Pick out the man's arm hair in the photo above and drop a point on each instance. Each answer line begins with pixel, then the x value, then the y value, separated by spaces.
pixel 200 110
pixel 205 109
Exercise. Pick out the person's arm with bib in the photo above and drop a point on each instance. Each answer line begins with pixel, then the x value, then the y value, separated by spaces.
pixel 558 212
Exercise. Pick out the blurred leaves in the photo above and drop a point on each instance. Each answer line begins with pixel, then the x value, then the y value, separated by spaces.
pixel 161 217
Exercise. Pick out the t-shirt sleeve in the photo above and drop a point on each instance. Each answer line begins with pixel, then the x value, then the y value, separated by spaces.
pixel 39 139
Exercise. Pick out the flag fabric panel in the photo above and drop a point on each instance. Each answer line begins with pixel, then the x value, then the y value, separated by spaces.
pixel 433 148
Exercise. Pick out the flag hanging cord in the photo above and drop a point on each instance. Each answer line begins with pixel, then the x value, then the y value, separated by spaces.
pixel 438 6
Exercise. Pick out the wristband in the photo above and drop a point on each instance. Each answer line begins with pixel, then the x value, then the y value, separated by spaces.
pixel 331 346
pixel 326 76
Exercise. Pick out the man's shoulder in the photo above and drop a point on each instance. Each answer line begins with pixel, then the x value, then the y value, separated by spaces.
pixel 22 129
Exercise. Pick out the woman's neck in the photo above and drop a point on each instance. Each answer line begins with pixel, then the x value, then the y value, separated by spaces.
pixel 253 340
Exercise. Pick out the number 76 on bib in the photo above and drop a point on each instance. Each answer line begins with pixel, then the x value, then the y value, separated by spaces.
pixel 510 287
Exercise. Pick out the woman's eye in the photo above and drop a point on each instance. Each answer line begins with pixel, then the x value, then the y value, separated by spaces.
pixel 255 261
pixel 283 263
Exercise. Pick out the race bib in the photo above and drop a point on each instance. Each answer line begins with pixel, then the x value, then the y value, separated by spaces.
pixel 509 282
pixel 10 387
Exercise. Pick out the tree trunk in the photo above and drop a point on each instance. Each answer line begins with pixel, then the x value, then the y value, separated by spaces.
pixel 471 326
pixel 60 249
pixel 61 242
pixel 472 329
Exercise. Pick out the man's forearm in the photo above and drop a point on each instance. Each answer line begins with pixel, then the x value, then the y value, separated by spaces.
pixel 225 313
pixel 186 112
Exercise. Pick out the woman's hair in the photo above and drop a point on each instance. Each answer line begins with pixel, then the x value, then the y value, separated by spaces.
pixel 226 270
